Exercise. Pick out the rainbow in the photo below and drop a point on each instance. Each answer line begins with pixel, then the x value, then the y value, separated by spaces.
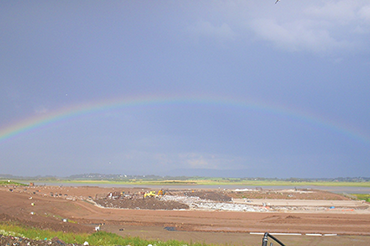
pixel 66 113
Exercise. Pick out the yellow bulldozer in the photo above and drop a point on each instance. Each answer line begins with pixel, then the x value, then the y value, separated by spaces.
pixel 152 193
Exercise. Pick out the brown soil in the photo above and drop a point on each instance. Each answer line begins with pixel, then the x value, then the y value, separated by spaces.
pixel 46 207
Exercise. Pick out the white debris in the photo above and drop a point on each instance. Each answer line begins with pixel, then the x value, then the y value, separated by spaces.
pixel 197 203
pixel 242 190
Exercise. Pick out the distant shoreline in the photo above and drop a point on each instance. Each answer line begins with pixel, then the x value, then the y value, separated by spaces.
pixel 202 182
pixel 339 189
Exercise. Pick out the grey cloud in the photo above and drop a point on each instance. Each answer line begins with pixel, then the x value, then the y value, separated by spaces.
pixel 313 26
pixel 364 13
pixel 335 10
pixel 319 28
pixel 298 35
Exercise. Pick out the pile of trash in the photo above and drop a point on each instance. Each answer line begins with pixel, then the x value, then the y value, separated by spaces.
pixel 197 203
pixel 21 241
pixel 176 200
pixel 152 203
pixel 209 195
pixel 238 200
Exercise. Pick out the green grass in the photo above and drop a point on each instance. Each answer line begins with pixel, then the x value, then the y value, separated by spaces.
pixel 9 182
pixel 38 234
pixel 365 197
pixel 215 182
pixel 97 238
pixel 208 181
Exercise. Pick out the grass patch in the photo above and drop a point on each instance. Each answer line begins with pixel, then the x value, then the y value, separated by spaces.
pixel 9 182
pixel 215 182
pixel 210 182
pixel 38 234
pixel 97 238
pixel 58 217
pixel 365 197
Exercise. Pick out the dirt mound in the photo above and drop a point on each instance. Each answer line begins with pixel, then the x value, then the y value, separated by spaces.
pixel 281 219
pixel 143 203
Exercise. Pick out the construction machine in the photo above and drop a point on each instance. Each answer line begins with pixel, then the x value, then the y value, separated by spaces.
pixel 266 238
pixel 150 194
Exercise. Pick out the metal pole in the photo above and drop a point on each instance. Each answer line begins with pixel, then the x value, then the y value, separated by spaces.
pixel 265 239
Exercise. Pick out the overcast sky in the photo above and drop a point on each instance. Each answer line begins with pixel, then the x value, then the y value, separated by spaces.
pixel 210 88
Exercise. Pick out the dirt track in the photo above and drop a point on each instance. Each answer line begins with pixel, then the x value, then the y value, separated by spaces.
pixel 46 207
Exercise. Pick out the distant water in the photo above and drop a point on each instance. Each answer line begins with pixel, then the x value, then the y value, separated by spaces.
pixel 334 189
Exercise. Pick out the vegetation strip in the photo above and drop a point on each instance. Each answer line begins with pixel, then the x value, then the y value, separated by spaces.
pixel 199 182
pixel 97 238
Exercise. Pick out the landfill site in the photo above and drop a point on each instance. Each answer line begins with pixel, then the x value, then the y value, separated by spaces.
pixel 219 216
